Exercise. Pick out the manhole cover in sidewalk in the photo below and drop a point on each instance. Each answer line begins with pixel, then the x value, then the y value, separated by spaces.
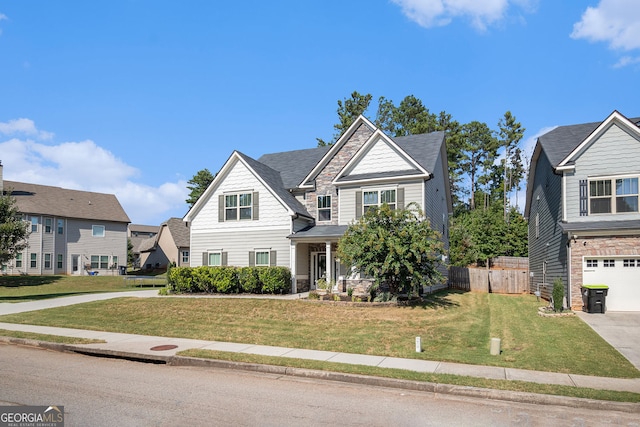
pixel 163 347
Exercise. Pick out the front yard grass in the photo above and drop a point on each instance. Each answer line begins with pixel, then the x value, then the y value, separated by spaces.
pixel 453 326
pixel 31 288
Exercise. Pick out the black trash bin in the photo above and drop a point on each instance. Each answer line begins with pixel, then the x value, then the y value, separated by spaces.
pixel 594 298
pixel 123 270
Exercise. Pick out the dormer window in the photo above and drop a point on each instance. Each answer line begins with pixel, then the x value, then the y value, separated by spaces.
pixel 324 208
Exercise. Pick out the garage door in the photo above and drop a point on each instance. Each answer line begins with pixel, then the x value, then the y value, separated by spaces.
pixel 622 275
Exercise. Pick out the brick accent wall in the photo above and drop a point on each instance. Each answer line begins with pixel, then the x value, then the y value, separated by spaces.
pixel 597 247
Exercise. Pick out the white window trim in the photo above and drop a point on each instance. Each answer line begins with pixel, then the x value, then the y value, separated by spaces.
pixel 238 207
pixel 613 196
pixel 379 190
pixel 329 209
pixel 215 252
pixel 260 251
pixel 94 228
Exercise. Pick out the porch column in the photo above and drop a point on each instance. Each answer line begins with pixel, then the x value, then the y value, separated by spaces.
pixel 293 264
pixel 329 262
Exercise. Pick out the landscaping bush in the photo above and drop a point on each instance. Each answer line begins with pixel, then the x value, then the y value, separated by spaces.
pixel 179 279
pixel 558 294
pixel 225 279
pixel 275 280
pixel 203 280
pixel 249 280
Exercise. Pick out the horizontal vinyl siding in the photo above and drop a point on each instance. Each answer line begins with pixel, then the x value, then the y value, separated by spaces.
pixel 347 198
pixel 240 180
pixel 381 158
pixel 550 245
pixel 237 245
pixel 614 153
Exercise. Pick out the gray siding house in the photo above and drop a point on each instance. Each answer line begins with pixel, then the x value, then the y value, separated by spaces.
pixel 291 208
pixel 71 232
pixel 582 207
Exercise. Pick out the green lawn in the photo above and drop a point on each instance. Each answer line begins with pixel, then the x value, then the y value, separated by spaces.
pixel 453 326
pixel 30 288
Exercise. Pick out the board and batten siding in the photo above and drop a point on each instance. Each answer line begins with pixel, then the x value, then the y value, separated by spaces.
pixel 237 245
pixel 547 242
pixel 614 153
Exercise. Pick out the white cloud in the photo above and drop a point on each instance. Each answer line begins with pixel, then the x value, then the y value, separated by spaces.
pixel 627 60
pixel 3 17
pixel 614 21
pixel 86 166
pixel 23 126
pixel 434 13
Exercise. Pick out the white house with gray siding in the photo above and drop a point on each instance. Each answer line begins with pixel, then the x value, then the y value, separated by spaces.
pixel 72 232
pixel 291 208
pixel 582 207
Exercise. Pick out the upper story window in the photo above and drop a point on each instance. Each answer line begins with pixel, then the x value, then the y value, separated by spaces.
pixel 48 225
pixel 97 230
pixel 613 195
pixel 237 206
pixel 60 226
pixel 377 198
pixel 34 224
pixel 324 208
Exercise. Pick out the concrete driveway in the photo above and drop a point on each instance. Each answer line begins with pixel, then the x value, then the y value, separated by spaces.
pixel 621 329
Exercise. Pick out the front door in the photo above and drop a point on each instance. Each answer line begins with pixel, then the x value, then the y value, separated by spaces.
pixel 319 269
pixel 75 261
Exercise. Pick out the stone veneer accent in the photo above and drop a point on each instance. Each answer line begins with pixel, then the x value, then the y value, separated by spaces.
pixel 595 246
pixel 327 175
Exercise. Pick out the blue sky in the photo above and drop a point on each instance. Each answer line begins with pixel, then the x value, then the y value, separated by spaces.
pixel 134 97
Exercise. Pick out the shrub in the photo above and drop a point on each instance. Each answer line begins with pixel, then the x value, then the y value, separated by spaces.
pixel 249 280
pixel 225 279
pixel 180 280
pixel 558 294
pixel 275 280
pixel 314 295
pixel 203 280
pixel 349 291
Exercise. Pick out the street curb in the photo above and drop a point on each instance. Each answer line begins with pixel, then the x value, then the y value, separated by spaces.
pixel 435 388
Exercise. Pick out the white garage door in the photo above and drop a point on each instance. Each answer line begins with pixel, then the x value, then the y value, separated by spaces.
pixel 622 275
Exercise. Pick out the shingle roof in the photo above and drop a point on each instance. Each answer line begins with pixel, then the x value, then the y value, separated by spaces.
pixel 324 231
pixel 65 203
pixel 273 178
pixel 423 148
pixel 294 165
pixel 632 224
pixel 561 141
pixel 179 231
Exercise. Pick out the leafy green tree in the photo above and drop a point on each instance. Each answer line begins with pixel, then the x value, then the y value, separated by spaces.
pixel 13 230
pixel 509 134
pixel 348 112
pixel 198 184
pixel 411 117
pixel 397 247
pixel 478 151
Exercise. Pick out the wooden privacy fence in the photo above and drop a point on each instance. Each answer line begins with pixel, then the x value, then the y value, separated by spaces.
pixel 513 281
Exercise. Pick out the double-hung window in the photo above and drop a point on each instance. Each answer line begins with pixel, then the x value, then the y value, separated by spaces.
pixel 60 226
pixel 324 208
pixel 262 258
pixel 34 224
pixel 48 225
pixel 215 258
pixel 613 195
pixel 377 198
pixel 237 206
pixel 97 230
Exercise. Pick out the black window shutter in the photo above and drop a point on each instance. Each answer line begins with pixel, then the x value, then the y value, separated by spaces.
pixel 256 209
pixel 358 204
pixel 221 208
pixel 584 198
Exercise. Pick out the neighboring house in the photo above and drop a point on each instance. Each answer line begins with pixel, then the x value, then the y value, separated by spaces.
pixel 170 245
pixel 142 238
pixel 582 206
pixel 72 232
pixel 291 208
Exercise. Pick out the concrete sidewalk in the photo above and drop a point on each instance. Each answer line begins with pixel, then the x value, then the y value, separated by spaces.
pixel 157 348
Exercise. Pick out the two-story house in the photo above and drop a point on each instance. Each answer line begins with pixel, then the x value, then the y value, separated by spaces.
pixel 170 245
pixel 582 206
pixel 71 231
pixel 291 208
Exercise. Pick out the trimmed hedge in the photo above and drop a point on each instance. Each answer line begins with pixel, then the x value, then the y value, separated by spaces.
pixel 228 280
